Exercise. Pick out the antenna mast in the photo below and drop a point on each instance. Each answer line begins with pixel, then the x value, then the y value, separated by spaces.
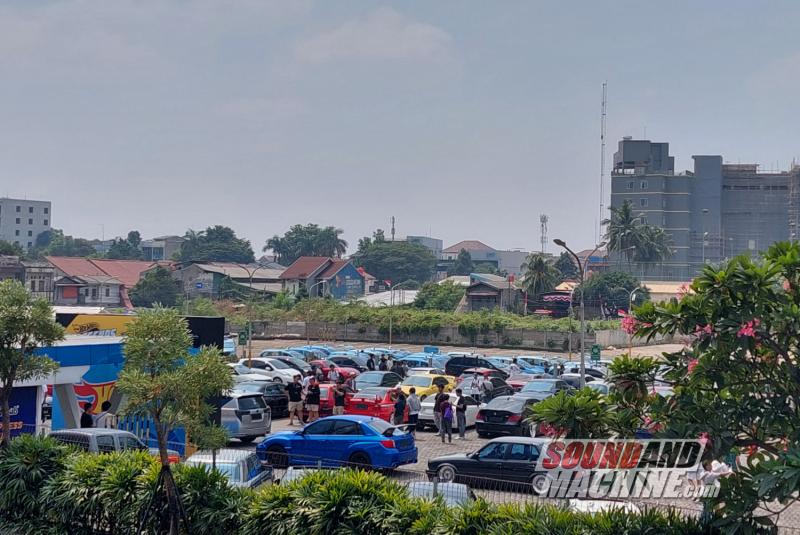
pixel 602 161
pixel 543 219
pixel 392 228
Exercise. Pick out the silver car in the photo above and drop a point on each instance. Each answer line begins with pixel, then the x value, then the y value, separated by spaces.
pixel 246 415
pixel 241 467
pixel 103 440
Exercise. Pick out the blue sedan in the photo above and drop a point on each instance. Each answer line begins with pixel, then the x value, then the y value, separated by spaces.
pixel 341 440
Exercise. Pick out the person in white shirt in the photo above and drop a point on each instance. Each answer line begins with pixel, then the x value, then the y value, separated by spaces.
pixel 307 379
pixel 333 375
pixel 514 368
pixel 102 420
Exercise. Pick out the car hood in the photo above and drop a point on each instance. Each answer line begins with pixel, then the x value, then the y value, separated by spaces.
pixel 451 457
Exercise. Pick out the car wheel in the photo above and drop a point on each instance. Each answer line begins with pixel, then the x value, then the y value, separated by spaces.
pixel 277 380
pixel 540 484
pixel 446 473
pixel 246 440
pixel 359 460
pixel 276 456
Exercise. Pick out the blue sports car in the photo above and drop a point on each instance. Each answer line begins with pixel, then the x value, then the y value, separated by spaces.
pixel 339 440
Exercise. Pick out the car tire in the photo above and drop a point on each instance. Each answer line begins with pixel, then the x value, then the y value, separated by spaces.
pixel 277 380
pixel 359 459
pixel 247 440
pixel 446 473
pixel 540 484
pixel 276 456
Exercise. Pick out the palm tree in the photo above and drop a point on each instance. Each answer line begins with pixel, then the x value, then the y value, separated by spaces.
pixel 654 245
pixel 623 230
pixel 328 242
pixel 539 275
pixel 278 246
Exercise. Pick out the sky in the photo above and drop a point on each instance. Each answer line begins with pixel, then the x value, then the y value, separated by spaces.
pixel 463 119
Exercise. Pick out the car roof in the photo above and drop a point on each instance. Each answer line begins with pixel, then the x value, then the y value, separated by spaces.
pixel 521 440
pixel 222 455
pixel 233 393
pixel 94 431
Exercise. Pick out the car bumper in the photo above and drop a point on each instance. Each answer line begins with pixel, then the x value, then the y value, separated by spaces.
pixel 400 458
pixel 499 429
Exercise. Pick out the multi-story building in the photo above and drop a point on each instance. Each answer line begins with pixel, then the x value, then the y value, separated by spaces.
pixel 433 244
pixel 161 248
pixel 40 279
pixel 22 220
pixel 504 261
pixel 714 212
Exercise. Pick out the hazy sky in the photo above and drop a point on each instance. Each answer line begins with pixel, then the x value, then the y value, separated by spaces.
pixel 464 119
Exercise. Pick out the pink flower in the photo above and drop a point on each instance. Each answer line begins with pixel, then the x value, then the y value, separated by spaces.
pixel 629 324
pixel 692 365
pixel 787 286
pixel 748 329
pixel 707 330
pixel 683 291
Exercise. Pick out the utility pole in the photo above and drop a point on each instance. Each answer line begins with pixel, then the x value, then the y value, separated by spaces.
pixel 543 219
pixel 603 103
pixel 392 228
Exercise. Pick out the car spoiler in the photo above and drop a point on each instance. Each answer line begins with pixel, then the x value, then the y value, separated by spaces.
pixel 402 427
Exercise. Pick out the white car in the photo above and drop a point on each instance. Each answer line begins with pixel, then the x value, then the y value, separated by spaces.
pixel 600 386
pixel 280 371
pixel 425 418
pixel 243 374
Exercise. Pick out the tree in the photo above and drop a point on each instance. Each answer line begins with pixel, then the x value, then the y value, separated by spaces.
pixel 156 287
pixel 398 261
pixel 366 241
pixel 739 381
pixel 444 296
pixel 26 323
pixel 306 240
pixel 565 264
pixel 10 249
pixel 539 275
pixel 612 289
pixel 654 245
pixel 463 264
pixel 165 383
pixel 55 243
pixel 215 244
pixel 126 248
pixel 623 232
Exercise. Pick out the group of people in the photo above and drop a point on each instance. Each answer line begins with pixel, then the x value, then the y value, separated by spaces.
pixel 444 412
pixel 383 364
pixel 306 392
pixel 96 420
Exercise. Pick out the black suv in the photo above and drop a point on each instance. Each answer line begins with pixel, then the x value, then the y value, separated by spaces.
pixel 456 365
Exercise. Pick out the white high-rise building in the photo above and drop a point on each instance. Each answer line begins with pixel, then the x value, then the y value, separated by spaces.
pixel 22 220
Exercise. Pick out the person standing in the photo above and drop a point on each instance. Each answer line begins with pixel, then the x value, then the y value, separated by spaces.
pixel 513 368
pixel 383 366
pixel 447 420
pixel 437 407
pixel 371 363
pixel 86 416
pixel 487 388
pixel 399 407
pixel 312 400
pixel 101 420
pixel 333 375
pixel 414 406
pixel 339 396
pixel 295 392
pixel 310 374
pixel 461 414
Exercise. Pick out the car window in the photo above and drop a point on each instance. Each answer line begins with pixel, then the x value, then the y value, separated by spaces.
pixel 345 427
pixel 419 380
pixel 105 443
pixel 538 386
pixel 470 401
pixel 253 466
pixel 230 470
pixel 493 451
pixel 497 382
pixel 322 427
pixel 522 452
pixel 440 381
pixel 74 439
pixel 247 403
pixel 256 364
pixel 130 443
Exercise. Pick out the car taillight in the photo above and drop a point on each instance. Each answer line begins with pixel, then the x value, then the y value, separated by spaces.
pixel 174 459
pixel 387 444
pixel 515 418
pixel 480 416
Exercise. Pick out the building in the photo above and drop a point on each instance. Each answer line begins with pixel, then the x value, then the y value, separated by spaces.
pixel 320 276
pixel 509 261
pixel 434 245
pixel 21 221
pixel 209 279
pixel 161 248
pixel 39 279
pixel 11 268
pixel 88 290
pixel 714 212
pixel 490 292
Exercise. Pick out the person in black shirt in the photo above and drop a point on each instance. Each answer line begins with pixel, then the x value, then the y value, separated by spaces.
pixel 295 392
pixel 312 400
pixel 371 363
pixel 399 408
pixel 86 417
pixel 339 395
pixel 383 366
pixel 437 406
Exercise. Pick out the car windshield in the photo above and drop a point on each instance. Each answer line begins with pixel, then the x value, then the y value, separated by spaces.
pixel 599 387
pixel 240 369
pixel 249 387
pixel 247 403
pixel 278 365
pixel 229 470
pixel 371 393
pixel 506 403
pixel 418 380
pixel 538 386
pixel 374 378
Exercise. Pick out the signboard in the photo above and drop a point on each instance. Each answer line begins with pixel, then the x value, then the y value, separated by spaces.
pixel 596 352
pixel 22 407
pixel 198 285
pixel 431 349
pixel 95 324
pixel 243 338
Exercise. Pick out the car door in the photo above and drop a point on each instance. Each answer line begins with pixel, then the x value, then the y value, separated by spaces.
pixel 501 388
pixel 311 444
pixel 520 462
pixel 343 434
pixel 472 410
pixel 487 465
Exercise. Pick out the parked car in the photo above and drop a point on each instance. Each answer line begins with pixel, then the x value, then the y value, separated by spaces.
pixel 243 374
pixel 242 468
pixel 325 366
pixel 245 415
pixel 298 363
pixel 507 463
pixel 505 362
pixel 544 388
pixel 485 372
pixel 471 384
pixel 326 400
pixel 597 373
pixel 340 440
pixel 600 386
pixel 426 385
pixel 309 354
pixel 574 379
pixel 350 360
pixel 102 440
pixel 375 401
pixel 274 395
pixel 453 494
pixel 279 371
pixel 426 420
pixel 424 360
pixel 426 371
pixel 458 364
pixel 505 415
pixel 229 346
pixel 368 379
pixel 521 379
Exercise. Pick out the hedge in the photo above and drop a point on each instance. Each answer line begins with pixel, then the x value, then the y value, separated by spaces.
pixel 47 488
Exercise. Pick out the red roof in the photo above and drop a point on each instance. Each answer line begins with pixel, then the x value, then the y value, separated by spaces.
pixel 304 267
pixel 128 272
pixel 333 269
pixel 74 266
pixel 468 245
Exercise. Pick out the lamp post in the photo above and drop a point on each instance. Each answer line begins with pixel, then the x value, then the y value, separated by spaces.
pixel 705 235
pixel 250 275
pixel 582 272
pixel 322 282
pixel 391 305
pixel 630 309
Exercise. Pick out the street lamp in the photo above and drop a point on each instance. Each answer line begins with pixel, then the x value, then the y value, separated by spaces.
pixel 391 305
pixel 630 310
pixel 250 275
pixel 308 290
pixel 582 272
pixel 705 234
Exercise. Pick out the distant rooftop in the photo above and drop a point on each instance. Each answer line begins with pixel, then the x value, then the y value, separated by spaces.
pixel 468 245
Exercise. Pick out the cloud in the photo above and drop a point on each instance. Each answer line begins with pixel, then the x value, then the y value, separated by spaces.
pixel 383 34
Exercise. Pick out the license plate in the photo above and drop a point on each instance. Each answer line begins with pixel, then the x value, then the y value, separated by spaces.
pixel 497 419
pixel 255 416
pixel 361 406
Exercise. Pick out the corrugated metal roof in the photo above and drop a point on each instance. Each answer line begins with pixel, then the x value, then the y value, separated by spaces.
pixel 237 271
pixel 333 269
pixel 305 266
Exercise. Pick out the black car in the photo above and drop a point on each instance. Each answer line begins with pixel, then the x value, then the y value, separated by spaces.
pixel 369 379
pixel 294 362
pixel 274 395
pixel 470 385
pixel 353 361
pixel 505 415
pixel 597 374
pixel 544 388
pixel 574 380
pixel 456 365
pixel 503 464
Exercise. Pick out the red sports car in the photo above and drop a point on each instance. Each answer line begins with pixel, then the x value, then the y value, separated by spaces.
pixel 326 400
pixel 373 401
pixel 518 381
pixel 325 366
